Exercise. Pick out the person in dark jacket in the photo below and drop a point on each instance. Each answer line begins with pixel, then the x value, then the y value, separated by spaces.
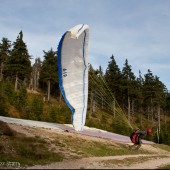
pixel 139 135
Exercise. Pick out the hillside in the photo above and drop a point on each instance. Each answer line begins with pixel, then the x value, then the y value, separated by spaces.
pixel 33 147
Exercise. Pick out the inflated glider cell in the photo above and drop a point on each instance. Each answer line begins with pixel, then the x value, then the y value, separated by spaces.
pixel 73 72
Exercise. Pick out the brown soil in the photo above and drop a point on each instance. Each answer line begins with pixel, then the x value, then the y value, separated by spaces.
pixel 156 157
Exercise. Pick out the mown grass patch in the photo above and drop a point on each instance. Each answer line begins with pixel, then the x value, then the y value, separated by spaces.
pixel 165 167
pixel 162 146
pixel 88 148
pixel 131 160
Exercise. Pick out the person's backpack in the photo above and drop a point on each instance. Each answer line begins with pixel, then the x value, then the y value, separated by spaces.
pixel 134 137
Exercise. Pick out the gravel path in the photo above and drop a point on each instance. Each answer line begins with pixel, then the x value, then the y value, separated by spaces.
pixel 101 163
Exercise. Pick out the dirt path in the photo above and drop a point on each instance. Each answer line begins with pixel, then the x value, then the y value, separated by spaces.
pixel 110 162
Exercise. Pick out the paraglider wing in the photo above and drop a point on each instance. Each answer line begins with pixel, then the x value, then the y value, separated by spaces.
pixel 73 72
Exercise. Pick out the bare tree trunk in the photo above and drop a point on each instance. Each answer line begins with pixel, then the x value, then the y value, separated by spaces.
pixel 35 79
pixel 102 102
pixel 94 105
pixel 31 84
pixel 114 108
pixel 157 130
pixel 48 96
pixel 133 112
pixel 148 112
pixel 152 109
pixel 1 74
pixel 141 116
pixel 60 96
pixel 16 82
pixel 129 109
pixel 38 76
pixel 159 121
pixel 165 116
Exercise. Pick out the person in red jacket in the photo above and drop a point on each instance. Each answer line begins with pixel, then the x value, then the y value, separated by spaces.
pixel 137 136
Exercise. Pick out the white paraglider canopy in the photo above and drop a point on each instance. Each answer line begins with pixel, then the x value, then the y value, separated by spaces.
pixel 73 72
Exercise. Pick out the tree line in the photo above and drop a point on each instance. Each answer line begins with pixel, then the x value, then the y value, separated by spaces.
pixel 137 95
pixel 15 66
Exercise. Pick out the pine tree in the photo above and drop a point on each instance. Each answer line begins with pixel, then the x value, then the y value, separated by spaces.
pixel 128 84
pixel 149 92
pixel 113 78
pixel 100 70
pixel 18 65
pixel 139 98
pixel 49 71
pixel 4 54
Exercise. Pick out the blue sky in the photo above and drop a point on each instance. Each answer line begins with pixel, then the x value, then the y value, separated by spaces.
pixel 132 29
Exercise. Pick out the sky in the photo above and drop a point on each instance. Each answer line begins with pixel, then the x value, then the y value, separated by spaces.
pixel 138 31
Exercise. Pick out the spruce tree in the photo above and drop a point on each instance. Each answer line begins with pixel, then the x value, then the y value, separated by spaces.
pixel 18 65
pixel 149 92
pixel 4 54
pixel 140 97
pixel 128 85
pixel 49 72
pixel 113 78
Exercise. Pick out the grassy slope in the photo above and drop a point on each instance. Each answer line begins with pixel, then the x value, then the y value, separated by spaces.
pixel 56 111
pixel 45 146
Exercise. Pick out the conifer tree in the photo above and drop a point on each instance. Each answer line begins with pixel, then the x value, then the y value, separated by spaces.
pixel 149 92
pixel 4 54
pixel 18 65
pixel 100 70
pixel 139 97
pixel 49 72
pixel 128 84
pixel 113 77
pixel 160 98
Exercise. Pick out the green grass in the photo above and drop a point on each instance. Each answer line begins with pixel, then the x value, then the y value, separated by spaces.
pixel 165 167
pixel 162 146
pixel 92 148
pixel 28 151
pixel 130 161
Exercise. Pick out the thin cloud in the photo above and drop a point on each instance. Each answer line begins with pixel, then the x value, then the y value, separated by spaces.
pixel 138 31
